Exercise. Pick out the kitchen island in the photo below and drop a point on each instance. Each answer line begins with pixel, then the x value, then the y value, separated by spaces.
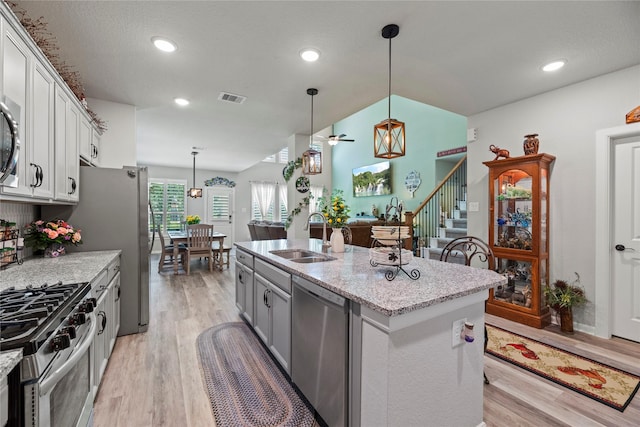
pixel 404 368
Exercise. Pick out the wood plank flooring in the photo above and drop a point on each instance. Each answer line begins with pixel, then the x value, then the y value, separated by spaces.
pixel 153 379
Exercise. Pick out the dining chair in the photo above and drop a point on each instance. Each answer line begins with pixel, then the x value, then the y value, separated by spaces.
pixel 466 250
pixel 166 256
pixel 277 231
pixel 252 231
pixel 199 244
pixel 262 232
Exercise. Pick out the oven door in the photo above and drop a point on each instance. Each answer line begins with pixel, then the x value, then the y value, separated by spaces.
pixel 9 144
pixel 63 396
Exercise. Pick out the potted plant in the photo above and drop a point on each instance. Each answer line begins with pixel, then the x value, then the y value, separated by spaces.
pixel 562 296
pixel 336 213
pixel 51 236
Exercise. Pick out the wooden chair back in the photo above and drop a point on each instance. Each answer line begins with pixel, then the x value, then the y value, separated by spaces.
pixel 199 238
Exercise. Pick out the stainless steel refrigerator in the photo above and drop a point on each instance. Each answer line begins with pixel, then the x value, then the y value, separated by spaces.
pixel 112 214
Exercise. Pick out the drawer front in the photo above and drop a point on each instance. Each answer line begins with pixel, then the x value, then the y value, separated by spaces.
pixel 244 258
pixel 100 283
pixel 113 269
pixel 278 277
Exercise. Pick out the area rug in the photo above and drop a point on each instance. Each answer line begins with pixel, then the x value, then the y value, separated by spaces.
pixel 608 385
pixel 245 386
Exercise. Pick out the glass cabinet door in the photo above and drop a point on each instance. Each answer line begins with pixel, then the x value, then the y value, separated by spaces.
pixel 519 288
pixel 513 213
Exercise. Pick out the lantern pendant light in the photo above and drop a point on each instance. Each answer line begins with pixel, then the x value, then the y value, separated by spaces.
pixel 388 135
pixel 311 159
pixel 194 192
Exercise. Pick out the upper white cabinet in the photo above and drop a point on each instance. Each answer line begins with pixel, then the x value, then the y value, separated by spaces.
pixel 67 119
pixel 54 128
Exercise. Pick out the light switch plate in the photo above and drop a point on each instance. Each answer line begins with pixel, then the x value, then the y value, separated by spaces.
pixel 473 206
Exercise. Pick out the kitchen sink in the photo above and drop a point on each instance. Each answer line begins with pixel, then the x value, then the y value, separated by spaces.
pixel 302 255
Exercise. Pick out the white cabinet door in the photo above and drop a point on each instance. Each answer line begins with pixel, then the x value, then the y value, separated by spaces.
pixel 66 147
pixel 15 81
pixel 73 171
pixel 41 165
pixel 262 320
pixel 280 345
pixel 84 137
pixel 95 147
pixel 99 342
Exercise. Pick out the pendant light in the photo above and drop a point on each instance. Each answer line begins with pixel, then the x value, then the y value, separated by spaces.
pixel 388 135
pixel 194 192
pixel 311 159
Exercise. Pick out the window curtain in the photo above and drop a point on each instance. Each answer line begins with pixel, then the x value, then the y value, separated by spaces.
pixel 263 193
pixel 314 203
pixel 282 193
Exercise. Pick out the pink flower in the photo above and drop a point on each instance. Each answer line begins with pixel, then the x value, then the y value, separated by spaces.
pixel 39 222
pixel 52 234
pixel 76 237
pixel 62 231
pixel 52 225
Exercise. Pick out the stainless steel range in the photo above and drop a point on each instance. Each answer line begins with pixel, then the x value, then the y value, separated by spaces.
pixel 54 325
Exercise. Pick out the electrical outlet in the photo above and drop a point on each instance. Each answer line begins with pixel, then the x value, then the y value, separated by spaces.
pixel 473 206
pixel 456 332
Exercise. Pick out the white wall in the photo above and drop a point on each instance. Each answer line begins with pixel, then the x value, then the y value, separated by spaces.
pixel 566 120
pixel 118 142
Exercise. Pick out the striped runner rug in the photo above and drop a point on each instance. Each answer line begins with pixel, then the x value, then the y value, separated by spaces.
pixel 245 386
pixel 605 384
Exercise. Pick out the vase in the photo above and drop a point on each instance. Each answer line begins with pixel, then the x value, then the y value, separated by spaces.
pixel 530 144
pixel 566 319
pixel 337 240
pixel 54 250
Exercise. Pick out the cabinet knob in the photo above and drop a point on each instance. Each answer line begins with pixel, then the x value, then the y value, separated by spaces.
pixel 621 248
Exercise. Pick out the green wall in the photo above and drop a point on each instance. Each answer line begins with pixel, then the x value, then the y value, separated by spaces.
pixel 428 130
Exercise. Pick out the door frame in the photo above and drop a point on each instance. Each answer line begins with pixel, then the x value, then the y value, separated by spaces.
pixel 605 138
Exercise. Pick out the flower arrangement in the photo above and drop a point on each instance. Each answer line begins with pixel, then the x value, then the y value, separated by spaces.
pixel 334 209
pixel 42 234
pixel 193 219
pixel 562 295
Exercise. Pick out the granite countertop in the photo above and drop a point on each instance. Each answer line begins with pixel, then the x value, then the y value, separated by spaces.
pixel 71 268
pixel 352 276
pixel 8 360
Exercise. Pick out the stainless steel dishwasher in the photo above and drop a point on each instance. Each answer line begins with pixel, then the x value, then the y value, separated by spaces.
pixel 319 359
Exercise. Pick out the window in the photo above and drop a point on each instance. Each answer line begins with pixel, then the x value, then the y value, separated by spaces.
pixel 314 202
pixel 281 156
pixel 268 202
pixel 168 202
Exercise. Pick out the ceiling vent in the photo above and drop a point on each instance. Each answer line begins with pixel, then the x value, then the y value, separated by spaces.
pixel 230 97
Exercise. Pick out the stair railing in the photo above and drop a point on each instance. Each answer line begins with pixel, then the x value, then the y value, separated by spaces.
pixel 426 219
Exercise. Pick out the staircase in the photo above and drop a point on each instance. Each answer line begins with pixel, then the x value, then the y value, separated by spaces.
pixel 446 205
pixel 454 227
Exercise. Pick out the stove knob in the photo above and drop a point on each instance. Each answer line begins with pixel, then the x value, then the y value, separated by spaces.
pixel 78 319
pixel 86 307
pixel 60 342
pixel 71 331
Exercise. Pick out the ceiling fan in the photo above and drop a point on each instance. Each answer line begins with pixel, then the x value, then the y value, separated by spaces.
pixel 334 139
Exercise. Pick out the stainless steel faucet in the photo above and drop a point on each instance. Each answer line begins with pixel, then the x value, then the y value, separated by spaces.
pixel 325 244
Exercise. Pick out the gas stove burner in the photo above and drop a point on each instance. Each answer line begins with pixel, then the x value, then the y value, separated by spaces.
pixel 26 314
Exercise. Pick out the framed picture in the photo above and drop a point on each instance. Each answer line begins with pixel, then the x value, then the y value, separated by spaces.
pixel 372 180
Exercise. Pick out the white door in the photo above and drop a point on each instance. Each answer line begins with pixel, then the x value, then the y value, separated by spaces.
pixel 219 211
pixel 626 239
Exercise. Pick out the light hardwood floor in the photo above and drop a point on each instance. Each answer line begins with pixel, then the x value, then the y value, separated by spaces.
pixel 153 379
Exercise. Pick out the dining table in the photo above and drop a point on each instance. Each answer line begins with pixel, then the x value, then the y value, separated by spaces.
pixel 180 237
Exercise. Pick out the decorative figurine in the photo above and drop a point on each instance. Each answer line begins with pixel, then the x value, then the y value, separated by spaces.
pixel 530 144
pixel 499 152
pixel 374 211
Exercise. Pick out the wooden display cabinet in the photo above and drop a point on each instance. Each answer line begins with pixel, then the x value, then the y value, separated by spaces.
pixel 519 237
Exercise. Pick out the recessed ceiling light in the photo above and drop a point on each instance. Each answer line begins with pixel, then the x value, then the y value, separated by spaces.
pixel 554 66
pixel 310 54
pixel 163 44
pixel 181 102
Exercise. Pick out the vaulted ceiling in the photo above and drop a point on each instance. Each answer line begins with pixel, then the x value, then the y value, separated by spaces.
pixel 465 57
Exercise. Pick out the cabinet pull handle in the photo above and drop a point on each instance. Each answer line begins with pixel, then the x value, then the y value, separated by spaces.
pixel 240 278
pixel 103 323
pixel 38 176
pixel 73 186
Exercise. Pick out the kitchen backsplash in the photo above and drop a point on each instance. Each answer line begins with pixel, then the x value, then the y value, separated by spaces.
pixel 22 214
